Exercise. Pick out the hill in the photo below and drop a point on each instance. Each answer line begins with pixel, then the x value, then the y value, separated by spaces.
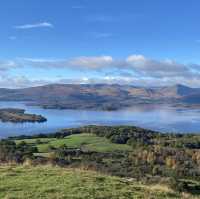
pixel 53 182
pixel 89 141
pixel 125 151
pixel 99 96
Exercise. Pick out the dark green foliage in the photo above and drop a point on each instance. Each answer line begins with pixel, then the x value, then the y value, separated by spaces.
pixel 10 152
pixel 185 185
pixel 121 134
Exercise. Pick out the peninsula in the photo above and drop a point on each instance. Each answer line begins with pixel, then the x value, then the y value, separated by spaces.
pixel 19 116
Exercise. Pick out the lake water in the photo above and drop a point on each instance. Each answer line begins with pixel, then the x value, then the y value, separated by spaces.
pixel 165 119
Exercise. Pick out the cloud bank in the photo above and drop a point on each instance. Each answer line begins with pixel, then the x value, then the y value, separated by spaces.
pixel 134 69
pixel 139 64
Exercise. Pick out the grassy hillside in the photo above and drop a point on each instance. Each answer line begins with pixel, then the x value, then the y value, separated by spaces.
pixel 89 142
pixel 123 151
pixel 57 183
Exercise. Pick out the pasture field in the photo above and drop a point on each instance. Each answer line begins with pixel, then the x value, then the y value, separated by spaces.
pixel 89 142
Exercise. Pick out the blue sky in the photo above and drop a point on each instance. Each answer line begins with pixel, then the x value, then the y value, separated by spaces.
pixel 91 41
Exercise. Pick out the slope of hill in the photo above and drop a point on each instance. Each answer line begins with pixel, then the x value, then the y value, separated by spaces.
pixel 53 182
pixel 132 154
pixel 99 96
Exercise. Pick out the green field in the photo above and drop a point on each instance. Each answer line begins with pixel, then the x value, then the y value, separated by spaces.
pixel 87 141
pixel 46 182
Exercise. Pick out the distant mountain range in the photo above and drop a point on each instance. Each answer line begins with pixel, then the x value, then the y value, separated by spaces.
pixel 100 96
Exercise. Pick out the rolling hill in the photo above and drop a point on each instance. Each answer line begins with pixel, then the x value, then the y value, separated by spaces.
pixel 99 96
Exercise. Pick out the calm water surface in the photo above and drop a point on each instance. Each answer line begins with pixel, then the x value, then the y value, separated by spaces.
pixel 165 119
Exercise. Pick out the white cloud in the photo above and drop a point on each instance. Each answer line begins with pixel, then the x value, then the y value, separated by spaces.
pixel 135 69
pixel 23 82
pixel 136 58
pixel 42 63
pixel 20 82
pixel 138 64
pixel 92 62
pixel 77 63
pixel 7 65
pixel 35 25
pixel 157 68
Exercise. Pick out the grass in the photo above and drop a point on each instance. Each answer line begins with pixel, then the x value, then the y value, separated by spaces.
pixel 88 141
pixel 46 182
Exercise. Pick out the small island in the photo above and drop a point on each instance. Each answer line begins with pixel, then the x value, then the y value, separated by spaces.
pixel 19 116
